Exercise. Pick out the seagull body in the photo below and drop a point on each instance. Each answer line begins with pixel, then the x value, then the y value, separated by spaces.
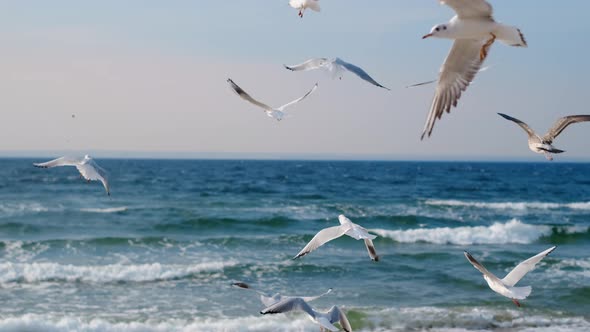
pixel 544 144
pixel 302 5
pixel 346 227
pixel 275 113
pixel 87 167
pixel 505 287
pixel 325 320
pixel 269 300
pixel 336 66
pixel 473 30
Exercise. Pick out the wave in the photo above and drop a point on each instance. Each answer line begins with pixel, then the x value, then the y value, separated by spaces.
pixel 105 210
pixel 47 272
pixel 361 319
pixel 513 231
pixel 12 209
pixel 511 205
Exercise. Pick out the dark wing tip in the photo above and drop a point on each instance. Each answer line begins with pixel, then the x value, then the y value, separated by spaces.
pixel 287 67
pixel 376 259
pixel 240 284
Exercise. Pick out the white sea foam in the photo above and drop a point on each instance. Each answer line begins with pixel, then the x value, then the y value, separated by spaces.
pixel 39 272
pixel 9 209
pixel 513 231
pixel 510 205
pixel 105 210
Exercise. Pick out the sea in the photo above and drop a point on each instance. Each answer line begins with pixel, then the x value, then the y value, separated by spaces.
pixel 161 253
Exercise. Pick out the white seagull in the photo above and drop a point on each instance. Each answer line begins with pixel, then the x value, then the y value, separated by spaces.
pixel 543 144
pixel 275 113
pixel 87 167
pixel 505 287
pixel 474 31
pixel 325 320
pixel 302 5
pixel 346 227
pixel 336 67
pixel 269 300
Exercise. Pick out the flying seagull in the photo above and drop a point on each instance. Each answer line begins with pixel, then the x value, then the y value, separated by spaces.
pixel 87 167
pixel 275 113
pixel 302 5
pixel 336 67
pixel 325 320
pixel 543 144
pixel 505 287
pixel 346 227
pixel 269 300
pixel 474 31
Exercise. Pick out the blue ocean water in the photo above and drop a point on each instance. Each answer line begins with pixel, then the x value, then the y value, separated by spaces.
pixel 162 252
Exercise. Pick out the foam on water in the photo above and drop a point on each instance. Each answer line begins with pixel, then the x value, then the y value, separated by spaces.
pixel 39 272
pixel 105 210
pixel 513 231
pixel 511 205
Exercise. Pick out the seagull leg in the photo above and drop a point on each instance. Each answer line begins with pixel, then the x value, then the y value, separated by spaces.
pixel 300 13
pixel 516 302
pixel 548 156
pixel 483 53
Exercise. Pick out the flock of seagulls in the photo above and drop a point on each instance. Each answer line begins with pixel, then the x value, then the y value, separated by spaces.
pixel 473 31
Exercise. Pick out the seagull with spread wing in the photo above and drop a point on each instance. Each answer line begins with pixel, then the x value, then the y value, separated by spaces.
pixel 269 300
pixel 346 227
pixel 302 5
pixel 336 66
pixel 275 113
pixel 505 287
pixel 87 167
pixel 473 30
pixel 325 320
pixel 544 144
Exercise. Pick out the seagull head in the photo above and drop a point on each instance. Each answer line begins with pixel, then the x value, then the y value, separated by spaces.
pixel 439 31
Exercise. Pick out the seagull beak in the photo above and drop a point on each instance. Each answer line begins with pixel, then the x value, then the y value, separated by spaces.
pixel 426 36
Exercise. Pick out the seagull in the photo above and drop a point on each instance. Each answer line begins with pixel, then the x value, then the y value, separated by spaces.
pixel 302 5
pixel 346 227
pixel 474 31
pixel 543 144
pixel 269 300
pixel 336 67
pixel 87 167
pixel 505 287
pixel 275 113
pixel 325 320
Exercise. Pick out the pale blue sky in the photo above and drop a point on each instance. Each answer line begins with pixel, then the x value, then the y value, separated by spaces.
pixel 148 77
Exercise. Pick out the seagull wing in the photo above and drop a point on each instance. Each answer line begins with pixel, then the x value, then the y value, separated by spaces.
pixel 525 267
pixel 63 161
pixel 299 99
pixel 312 298
pixel 470 8
pixel 91 171
pixel 266 299
pixel 337 315
pixel 289 304
pixel 358 72
pixel 308 65
pixel 561 124
pixel 478 266
pixel 246 96
pixel 458 71
pixel 371 250
pixel 522 125
pixel 323 236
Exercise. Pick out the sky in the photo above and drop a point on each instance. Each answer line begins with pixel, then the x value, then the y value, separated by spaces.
pixel 147 78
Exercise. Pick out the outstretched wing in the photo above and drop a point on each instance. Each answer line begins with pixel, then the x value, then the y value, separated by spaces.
pixel 289 304
pixel 337 315
pixel 458 71
pixel 91 171
pixel 470 8
pixel 371 250
pixel 323 236
pixel 561 124
pixel 525 267
pixel 522 125
pixel 358 72
pixel 246 96
pixel 312 298
pixel 478 266
pixel 62 161
pixel 298 99
pixel 309 64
